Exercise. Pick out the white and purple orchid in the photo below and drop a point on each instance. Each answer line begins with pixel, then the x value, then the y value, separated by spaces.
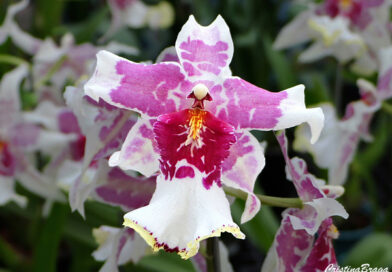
pixel 54 65
pixel 346 29
pixel 294 248
pixel 117 247
pixel 193 138
pixel 339 140
pixel 103 128
pixel 18 138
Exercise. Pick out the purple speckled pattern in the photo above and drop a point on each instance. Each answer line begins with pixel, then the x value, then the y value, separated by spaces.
pixel 323 253
pixel 296 250
pixel 205 51
pixel 241 148
pixel 204 57
pixel 291 246
pixel 148 83
pixel 302 179
pixel 241 168
pixel 125 191
pixel 246 105
pixel 198 57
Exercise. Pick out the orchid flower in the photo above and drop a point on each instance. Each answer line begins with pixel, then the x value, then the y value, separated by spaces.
pixel 339 140
pixel 117 247
pixel 54 64
pixel 294 248
pixel 104 128
pixel 348 30
pixel 18 137
pixel 195 114
pixel 136 14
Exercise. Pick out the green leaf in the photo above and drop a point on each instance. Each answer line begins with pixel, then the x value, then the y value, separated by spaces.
pixel 369 157
pixel 280 65
pixel 375 249
pixel 46 250
pixel 165 262
pixel 48 15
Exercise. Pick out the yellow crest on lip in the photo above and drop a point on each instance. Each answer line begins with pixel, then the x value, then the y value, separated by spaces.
pixel 345 4
pixel 2 146
pixel 196 119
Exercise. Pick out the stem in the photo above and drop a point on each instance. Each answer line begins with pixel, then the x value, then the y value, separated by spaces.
pixel 283 202
pixel 213 261
pixel 12 60
pixel 56 66
pixel 338 87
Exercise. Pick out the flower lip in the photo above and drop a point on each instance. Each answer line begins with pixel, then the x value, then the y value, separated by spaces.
pixel 200 93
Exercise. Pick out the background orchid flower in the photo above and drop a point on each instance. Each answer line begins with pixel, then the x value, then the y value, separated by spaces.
pixel 136 14
pixel 173 99
pixel 117 246
pixel 54 65
pixel 347 30
pixel 18 138
pixel 104 128
pixel 294 248
pixel 339 140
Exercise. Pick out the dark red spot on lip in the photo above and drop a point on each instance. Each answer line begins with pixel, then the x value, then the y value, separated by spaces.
pixel 185 171
pixel 7 161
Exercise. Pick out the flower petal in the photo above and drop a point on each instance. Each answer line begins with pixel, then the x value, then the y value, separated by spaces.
pixel 148 89
pixel 246 106
pixel 22 39
pixel 167 55
pixel 139 151
pixel 241 168
pixel 295 32
pixel 181 214
pixel 338 142
pixel 104 126
pixel 289 250
pixel 315 212
pixel 336 37
pixel 7 192
pixel 189 204
pixel 9 97
pixel 117 247
pixel 205 51
pixel 384 84
pixel 323 253
pixel 39 184
pixel 317 206
pixel 117 188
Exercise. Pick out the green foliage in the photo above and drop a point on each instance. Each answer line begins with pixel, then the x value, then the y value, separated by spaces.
pixel 375 249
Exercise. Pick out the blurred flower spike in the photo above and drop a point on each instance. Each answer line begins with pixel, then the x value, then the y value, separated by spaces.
pixel 194 124
pixel 345 29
